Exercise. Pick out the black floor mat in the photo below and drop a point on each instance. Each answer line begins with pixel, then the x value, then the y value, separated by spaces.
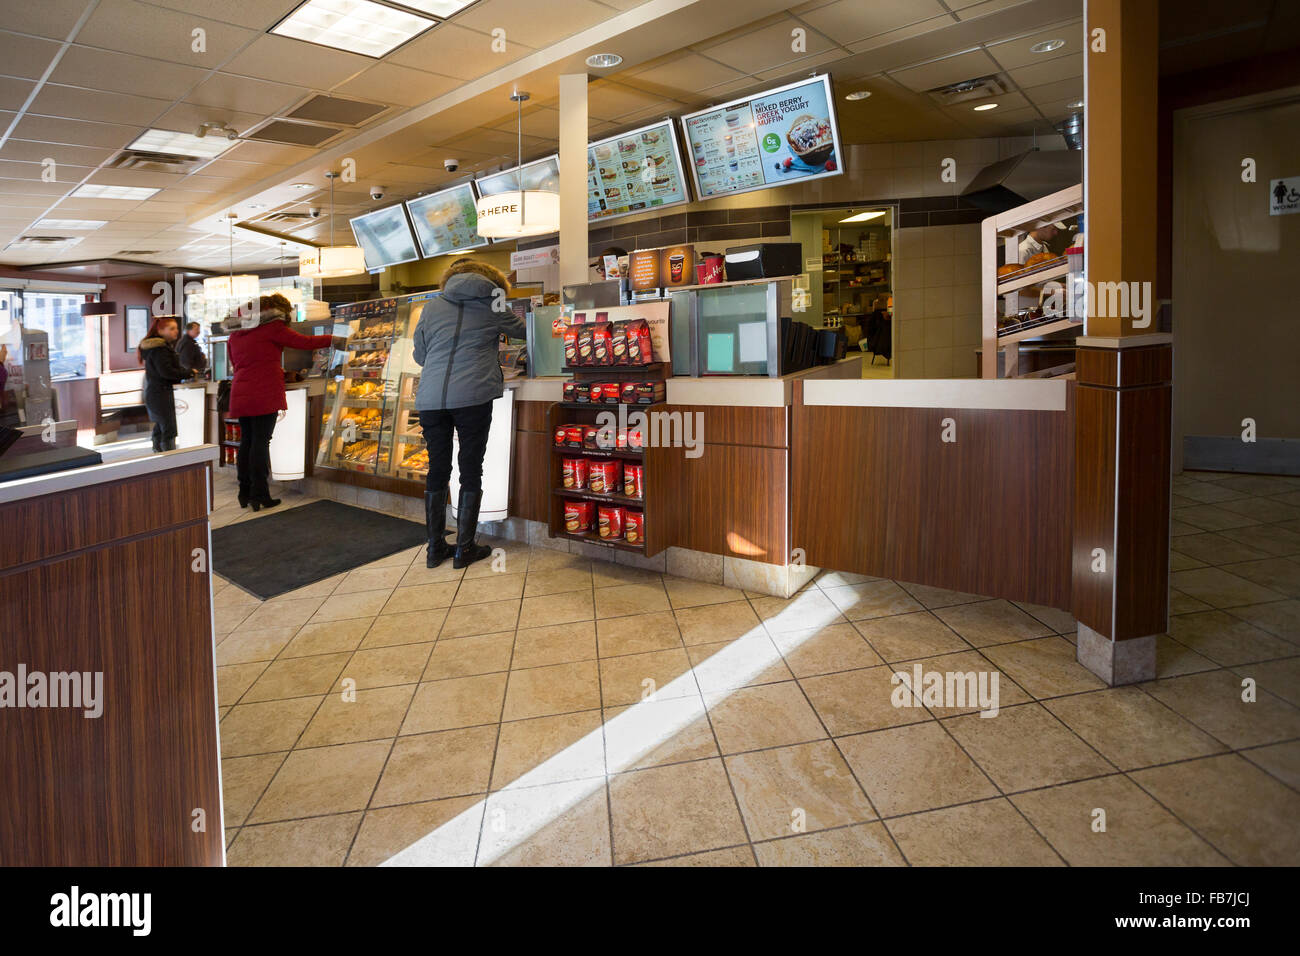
pixel 289 549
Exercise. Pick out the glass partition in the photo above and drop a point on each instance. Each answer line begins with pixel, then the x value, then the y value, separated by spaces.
pixel 545 347
pixel 737 330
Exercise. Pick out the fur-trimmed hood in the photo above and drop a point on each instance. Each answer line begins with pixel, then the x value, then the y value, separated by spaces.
pixel 153 342
pixel 268 308
pixel 469 279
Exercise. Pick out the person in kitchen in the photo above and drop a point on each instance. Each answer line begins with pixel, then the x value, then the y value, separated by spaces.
pixel 599 265
pixel 1039 240
pixel 162 369
pixel 259 335
pixel 188 350
pixel 455 343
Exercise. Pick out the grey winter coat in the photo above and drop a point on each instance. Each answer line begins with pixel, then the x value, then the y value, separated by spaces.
pixel 456 343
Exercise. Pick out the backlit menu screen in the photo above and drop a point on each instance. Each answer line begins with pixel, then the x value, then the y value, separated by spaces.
pixel 634 171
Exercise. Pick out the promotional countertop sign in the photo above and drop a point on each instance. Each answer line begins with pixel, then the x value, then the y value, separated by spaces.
pixel 641 169
pixel 446 221
pixel 785 135
pixel 385 237
pixel 541 174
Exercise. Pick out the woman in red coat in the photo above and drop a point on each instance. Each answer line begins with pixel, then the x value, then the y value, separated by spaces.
pixel 258 339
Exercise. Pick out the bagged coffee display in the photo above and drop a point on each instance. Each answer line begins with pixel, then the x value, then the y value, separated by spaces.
pixel 639 349
pixel 611 393
pixel 561 434
pixel 570 346
pixel 578 516
pixel 569 391
pixel 618 342
pixel 589 433
pixel 575 473
pixel 573 436
pixel 610 521
pixel 648 393
pixel 585 344
pixel 601 345
pixel 595 393
pixel 581 392
pixel 604 477
pixel 634 531
pixel 627 394
pixel 633 476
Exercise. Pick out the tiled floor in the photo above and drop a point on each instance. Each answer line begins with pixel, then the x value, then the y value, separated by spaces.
pixel 576 712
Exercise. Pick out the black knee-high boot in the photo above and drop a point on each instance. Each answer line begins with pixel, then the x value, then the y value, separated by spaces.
pixel 435 520
pixel 467 552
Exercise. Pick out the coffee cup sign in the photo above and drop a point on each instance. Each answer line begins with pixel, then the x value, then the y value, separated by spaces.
pixel 677 265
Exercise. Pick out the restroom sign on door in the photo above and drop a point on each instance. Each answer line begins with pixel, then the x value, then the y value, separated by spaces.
pixel 1284 196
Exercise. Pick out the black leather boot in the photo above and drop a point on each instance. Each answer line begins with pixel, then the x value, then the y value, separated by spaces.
pixel 467 552
pixel 435 520
pixel 243 496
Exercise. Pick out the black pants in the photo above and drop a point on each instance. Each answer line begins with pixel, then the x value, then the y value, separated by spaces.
pixel 254 464
pixel 471 424
pixel 161 406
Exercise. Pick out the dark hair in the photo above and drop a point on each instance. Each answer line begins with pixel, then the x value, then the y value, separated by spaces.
pixel 191 325
pixel 158 322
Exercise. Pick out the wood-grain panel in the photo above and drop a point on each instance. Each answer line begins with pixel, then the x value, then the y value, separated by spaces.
pixel 85 517
pixel 740 424
pixel 1094 505
pixel 1125 368
pixel 531 416
pixel 731 500
pixel 1142 593
pixel 120 789
pixel 530 466
pixel 876 491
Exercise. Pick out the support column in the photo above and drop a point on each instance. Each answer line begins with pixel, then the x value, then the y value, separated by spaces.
pixel 1123 368
pixel 573 179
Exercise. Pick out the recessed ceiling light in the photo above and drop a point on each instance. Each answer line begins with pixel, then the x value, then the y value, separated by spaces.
pixel 864 216
pixel 303 186
pixel 357 26
pixel 70 224
pixel 1047 46
pixel 603 61
pixel 858 95
pixel 99 191
pixel 1076 105
pixel 985 106
pixel 184 144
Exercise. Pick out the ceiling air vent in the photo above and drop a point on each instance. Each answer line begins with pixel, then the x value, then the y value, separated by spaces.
pixel 155 162
pixel 288 218
pixel 965 90
pixel 139 252
pixel 293 134
pixel 335 110
pixel 44 242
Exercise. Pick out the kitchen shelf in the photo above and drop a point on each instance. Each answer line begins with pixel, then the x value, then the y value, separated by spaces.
pixel 1020 333
pixel 1024 279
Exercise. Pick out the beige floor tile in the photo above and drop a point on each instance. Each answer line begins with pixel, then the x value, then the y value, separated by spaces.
pixel 497 587
pixel 966 663
pixel 282 613
pixel 932 597
pixel 1280 574
pixel 386 666
pixel 905 637
pixel 467 656
pixel 558 824
pixel 1280 618
pixel 1212 548
pixel 1220 588
pixel 459 702
pixel 769 715
pixel 563 608
pixel 436 833
pixel 243 780
pixel 811 607
pixel 825 650
pixel 340 607
pixel 547 559
pixel 1226 639
pixel 992 622
pixel 1062 622
pixel 554 644
pixel 371 579
pixel 333 637
pixel 683 592
pixel 410 627
pixel 991 833
pixel 1281 760
pixel 1045 667
pixel 606 574
pixel 419 597
pixel 743 663
pixel 914 768
pixel 621 600
pixel 1026 747
pixel 1138 831
pixel 556 689
pixel 851 702
pixel 1132 729
pixel 297 677
pixel 225 594
pixel 1267 539
pixel 417 574
pixel 234 679
pixel 713 623
pixel 481 619
pixel 228 617
pixel 672 810
pixel 1268 510
pixel 867 844
pixel 731 856
pixel 322 780
pixel 1180 603
pixel 656 732
pixel 542 750
pixel 367 715
pixel 320 841
pixel 637 634
pixel 557 581
pixel 449 763
pixel 1211 518
pixel 317 589
pixel 508 557
pixel 1173 658
pixel 1279 678
pixel 1181 562
pixel 859 602
pixel 1244 813
pixel 1207 492
pixel 402 558
pixel 633 677
pixel 837 579
pixel 265 727
pixel 1212 701
pixel 796 789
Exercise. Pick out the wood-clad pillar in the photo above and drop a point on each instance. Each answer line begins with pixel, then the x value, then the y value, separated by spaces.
pixel 1120 573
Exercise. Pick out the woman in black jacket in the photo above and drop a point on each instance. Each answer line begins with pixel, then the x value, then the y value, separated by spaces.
pixel 162 370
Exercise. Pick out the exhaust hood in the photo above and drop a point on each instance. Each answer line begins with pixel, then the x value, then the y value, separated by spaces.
pixel 1019 179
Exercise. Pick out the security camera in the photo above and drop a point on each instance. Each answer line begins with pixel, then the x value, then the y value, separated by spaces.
pixel 376 192
pixel 314 212
pixel 451 164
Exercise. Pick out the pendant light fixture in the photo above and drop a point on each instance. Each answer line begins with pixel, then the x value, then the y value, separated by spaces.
pixel 519 212
pixel 331 262
pixel 243 287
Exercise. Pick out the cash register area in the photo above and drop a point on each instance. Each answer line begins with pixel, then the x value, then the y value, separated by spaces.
pixel 545 708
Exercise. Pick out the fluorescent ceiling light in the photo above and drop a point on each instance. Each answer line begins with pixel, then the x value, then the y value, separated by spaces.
pixel 357 26
pixel 100 191
pixel 603 61
pixel 858 95
pixel 184 144
pixel 70 224
pixel 1076 105
pixel 1047 46
pixel 985 106
pixel 435 8
pixel 864 216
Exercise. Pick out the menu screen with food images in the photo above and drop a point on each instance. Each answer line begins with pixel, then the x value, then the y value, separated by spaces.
pixel 446 221
pixel 635 171
pixel 385 237
pixel 782 136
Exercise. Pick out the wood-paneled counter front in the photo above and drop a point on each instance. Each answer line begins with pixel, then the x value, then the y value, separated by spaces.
pixel 98 577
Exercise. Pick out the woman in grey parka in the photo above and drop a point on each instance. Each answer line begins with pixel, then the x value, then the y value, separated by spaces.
pixel 456 343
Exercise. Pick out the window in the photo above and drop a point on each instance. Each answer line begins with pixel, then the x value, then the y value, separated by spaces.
pixel 74 340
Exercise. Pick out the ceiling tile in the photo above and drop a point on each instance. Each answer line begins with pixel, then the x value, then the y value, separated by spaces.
pixel 25 56
pixel 135 177
pixel 49 129
pixel 124 73
pixel 49 18
pixel 28 152
pixel 522 23
pixel 254 14
pixel 187 117
pixel 72 102
pixel 689 71
pixel 14 93
pixel 245 95
pixel 949 69
pixel 455 51
pixel 1012 54
pixel 1071 89
pixel 850 21
pixel 766 48
pixel 606 100
pixel 1062 68
pixel 115 25
pixel 391 84
pixel 267 154
pixel 296 62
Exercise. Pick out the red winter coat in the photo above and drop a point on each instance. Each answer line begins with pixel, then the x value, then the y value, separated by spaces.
pixel 257 357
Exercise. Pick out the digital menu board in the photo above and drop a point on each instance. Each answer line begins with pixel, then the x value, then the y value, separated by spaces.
pixel 641 169
pixel 782 136
pixel 446 221
pixel 543 174
pixel 385 237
